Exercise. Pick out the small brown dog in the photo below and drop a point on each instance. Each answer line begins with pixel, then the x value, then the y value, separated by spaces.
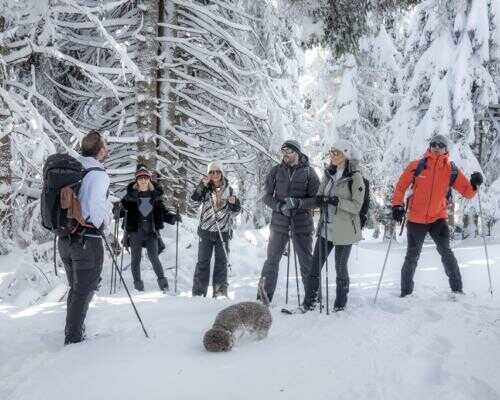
pixel 248 316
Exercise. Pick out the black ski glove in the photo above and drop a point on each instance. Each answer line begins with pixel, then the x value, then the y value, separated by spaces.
pixel 476 180
pixel 398 213
pixel 334 201
pixel 321 200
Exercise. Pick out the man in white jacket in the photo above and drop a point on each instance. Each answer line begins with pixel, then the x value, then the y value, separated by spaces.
pixel 83 253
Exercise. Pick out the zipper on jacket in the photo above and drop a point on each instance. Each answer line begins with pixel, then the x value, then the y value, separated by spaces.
pixel 432 189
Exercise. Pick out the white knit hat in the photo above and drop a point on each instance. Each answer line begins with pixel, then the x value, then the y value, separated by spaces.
pixel 347 148
pixel 215 166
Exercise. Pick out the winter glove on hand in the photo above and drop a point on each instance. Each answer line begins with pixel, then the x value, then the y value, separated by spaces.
pixel 476 179
pixel 177 218
pixel 285 210
pixel 398 213
pixel 291 203
pixel 277 206
pixel 334 201
pixel 321 200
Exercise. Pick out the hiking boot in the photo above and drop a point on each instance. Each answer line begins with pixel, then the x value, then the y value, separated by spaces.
pixel 139 285
pixel 338 308
pixel 219 291
pixel 163 284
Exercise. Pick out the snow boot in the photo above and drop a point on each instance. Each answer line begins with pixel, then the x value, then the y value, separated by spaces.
pixel 139 285
pixel 163 284
pixel 219 290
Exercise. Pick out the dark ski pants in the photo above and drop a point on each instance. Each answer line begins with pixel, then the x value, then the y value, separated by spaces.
pixel 206 247
pixel 138 240
pixel 83 258
pixel 302 244
pixel 440 233
pixel 322 250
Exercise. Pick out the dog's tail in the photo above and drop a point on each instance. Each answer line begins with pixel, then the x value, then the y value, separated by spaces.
pixel 262 292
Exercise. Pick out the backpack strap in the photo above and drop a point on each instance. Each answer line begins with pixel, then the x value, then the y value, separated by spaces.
pixel 422 164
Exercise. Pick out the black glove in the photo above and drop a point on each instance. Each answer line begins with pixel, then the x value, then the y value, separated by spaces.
pixel 278 205
pixel 285 211
pixel 334 201
pixel 177 218
pixel 476 179
pixel 321 200
pixel 398 213
pixel 291 203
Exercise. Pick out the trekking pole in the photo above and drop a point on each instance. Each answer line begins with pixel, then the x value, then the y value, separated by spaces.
pixel 288 269
pixel 123 243
pixel 220 235
pixel 176 249
pixel 484 242
pixel 113 272
pixel 383 267
pixel 55 254
pixel 115 265
pixel 325 227
pixel 115 282
pixel 296 270
pixel 320 254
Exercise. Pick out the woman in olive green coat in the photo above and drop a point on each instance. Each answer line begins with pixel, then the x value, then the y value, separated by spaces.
pixel 341 195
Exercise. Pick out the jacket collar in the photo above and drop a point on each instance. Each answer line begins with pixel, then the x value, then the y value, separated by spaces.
pixel 91 162
pixel 133 193
pixel 442 159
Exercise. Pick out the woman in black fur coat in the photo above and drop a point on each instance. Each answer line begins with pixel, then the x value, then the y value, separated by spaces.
pixel 145 217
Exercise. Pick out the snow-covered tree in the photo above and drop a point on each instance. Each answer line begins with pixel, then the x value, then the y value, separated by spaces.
pixel 447 83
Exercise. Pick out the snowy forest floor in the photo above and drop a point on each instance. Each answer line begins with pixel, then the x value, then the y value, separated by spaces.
pixel 421 347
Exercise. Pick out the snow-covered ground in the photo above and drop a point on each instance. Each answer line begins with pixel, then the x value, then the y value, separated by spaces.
pixel 421 347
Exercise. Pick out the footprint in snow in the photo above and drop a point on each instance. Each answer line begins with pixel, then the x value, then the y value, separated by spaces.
pixel 391 308
pixel 432 315
pixel 440 345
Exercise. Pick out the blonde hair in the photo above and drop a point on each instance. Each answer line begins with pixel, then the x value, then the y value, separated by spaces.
pixel 151 187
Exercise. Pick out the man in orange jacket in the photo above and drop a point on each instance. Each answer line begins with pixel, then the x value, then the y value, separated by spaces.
pixel 428 209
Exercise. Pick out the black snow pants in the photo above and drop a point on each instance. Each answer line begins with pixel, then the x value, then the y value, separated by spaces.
pixel 302 244
pixel 209 244
pixel 322 250
pixel 440 233
pixel 138 240
pixel 83 258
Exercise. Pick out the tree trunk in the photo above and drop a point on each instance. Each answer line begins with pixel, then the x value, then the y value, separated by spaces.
pixel 176 186
pixel 5 158
pixel 146 88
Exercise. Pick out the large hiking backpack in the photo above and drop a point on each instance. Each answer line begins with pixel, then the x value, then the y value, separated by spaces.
pixel 60 171
pixel 363 213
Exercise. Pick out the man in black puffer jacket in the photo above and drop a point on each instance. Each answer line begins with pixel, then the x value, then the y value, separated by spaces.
pixel 291 189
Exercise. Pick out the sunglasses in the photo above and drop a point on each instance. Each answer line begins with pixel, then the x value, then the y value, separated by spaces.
pixel 336 153
pixel 287 151
pixel 438 145
pixel 143 178
pixel 213 172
